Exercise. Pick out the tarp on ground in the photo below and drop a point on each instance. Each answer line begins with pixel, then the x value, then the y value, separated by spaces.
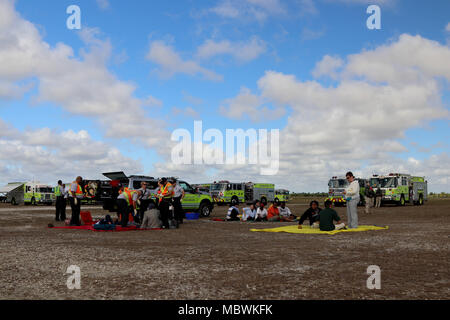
pixel 309 230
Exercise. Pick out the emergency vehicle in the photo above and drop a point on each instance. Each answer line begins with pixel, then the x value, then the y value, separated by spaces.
pixel 225 192
pixel 401 188
pixel 33 193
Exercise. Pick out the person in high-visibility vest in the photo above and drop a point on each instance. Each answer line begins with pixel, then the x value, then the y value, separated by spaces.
pixel 165 195
pixel 76 194
pixel 60 204
pixel 126 204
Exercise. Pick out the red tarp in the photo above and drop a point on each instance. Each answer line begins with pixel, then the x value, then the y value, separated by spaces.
pixel 118 228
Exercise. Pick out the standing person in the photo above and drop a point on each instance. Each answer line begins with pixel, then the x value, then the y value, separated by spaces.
pixel 178 195
pixel 165 200
pixel 75 196
pixel 352 197
pixel 378 197
pixel 144 200
pixel 60 204
pixel 369 194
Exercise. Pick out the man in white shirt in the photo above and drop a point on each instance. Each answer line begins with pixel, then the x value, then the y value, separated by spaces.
pixel 351 194
pixel 286 212
pixel 144 200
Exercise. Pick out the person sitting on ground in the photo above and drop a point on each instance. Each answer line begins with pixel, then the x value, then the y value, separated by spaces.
pixel 285 212
pixel 261 213
pixel 151 217
pixel 327 216
pixel 312 214
pixel 233 213
pixel 249 214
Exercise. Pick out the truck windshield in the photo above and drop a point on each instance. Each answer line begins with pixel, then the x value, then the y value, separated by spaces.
pixel 374 182
pixel 45 190
pixel 218 187
pixel 388 182
pixel 338 183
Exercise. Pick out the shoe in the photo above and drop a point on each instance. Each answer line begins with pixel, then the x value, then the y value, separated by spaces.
pixel 57 219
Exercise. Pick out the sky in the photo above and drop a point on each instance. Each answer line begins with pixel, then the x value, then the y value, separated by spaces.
pixel 109 96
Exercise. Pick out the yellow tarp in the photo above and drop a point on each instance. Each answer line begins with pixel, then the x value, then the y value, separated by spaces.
pixel 309 230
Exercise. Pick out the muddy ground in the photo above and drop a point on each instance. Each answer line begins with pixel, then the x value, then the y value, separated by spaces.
pixel 224 260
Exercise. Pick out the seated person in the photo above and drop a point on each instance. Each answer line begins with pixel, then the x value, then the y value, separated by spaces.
pixel 261 213
pixel 312 214
pixel 249 214
pixel 151 218
pixel 233 213
pixel 327 216
pixel 285 212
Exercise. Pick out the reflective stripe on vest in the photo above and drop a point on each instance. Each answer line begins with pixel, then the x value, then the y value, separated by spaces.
pixel 129 197
pixel 165 191
pixel 79 191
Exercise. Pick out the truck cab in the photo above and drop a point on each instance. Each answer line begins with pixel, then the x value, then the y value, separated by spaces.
pixel 282 195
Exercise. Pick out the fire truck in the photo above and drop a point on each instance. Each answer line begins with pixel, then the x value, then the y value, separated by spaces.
pixel 225 192
pixel 27 193
pixel 401 188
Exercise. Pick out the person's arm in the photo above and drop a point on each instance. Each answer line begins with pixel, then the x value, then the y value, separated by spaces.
pixel 182 194
pixel 304 216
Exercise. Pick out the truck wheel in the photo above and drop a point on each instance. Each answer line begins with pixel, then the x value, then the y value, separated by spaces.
pixel 205 209
pixel 264 200
pixel 234 200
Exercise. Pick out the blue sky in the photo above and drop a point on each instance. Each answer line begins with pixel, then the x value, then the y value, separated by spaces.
pixel 293 37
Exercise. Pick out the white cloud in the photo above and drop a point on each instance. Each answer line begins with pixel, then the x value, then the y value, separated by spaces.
pixel 249 105
pixel 171 63
pixel 103 4
pixel 49 155
pixel 356 124
pixel 80 85
pixel 241 51
pixel 258 10
pixel 447 28
pixel 327 66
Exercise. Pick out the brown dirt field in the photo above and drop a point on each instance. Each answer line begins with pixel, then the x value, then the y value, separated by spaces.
pixel 224 260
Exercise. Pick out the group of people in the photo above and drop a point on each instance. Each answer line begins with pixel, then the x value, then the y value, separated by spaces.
pixel 372 197
pixel 325 219
pixel 257 212
pixel 138 207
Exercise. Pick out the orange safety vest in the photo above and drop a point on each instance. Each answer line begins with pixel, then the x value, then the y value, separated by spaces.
pixel 129 196
pixel 79 191
pixel 164 191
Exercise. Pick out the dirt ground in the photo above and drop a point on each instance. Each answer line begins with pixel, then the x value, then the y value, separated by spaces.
pixel 224 260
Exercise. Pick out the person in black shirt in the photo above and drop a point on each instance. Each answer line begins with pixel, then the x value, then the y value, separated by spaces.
pixel 312 214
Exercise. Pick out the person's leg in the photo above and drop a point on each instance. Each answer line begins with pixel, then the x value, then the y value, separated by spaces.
pixel 349 216
pixel 73 207
pixel 63 209
pixel 57 209
pixel 367 207
pixel 164 208
pixel 354 213
pixel 78 212
pixel 339 226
